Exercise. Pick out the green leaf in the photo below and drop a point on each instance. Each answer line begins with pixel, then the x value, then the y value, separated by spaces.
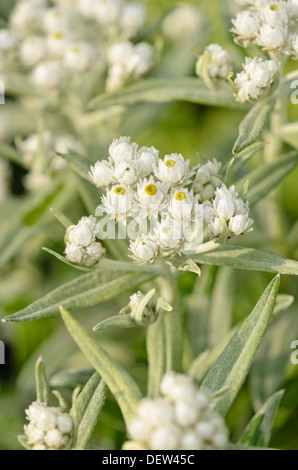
pixel 232 366
pixel 239 257
pixel 66 261
pixel 258 431
pixel 245 155
pixel 252 125
pixel 289 134
pixel 266 177
pixel 164 90
pixel 184 264
pixel 156 352
pixel 120 321
pixel 65 221
pixel 70 378
pixel 89 404
pixel 173 339
pixel 89 289
pixel 117 379
pixel 42 384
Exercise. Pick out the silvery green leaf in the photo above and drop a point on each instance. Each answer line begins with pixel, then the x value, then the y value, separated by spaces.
pixel 120 321
pixel 156 352
pixel 252 125
pixel 117 379
pixel 86 290
pixel 266 177
pixel 162 304
pixel 66 261
pixel 164 90
pixel 41 380
pixel 259 429
pixel 232 366
pixel 173 326
pixel 275 351
pixel 245 155
pixel 89 405
pixel 65 221
pixel 62 401
pixel 78 163
pixel 182 263
pixel 239 257
pixel 70 378
pixel 289 133
pixel 138 314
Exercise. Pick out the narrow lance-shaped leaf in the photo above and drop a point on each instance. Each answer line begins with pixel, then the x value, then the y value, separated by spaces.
pixel 117 379
pixel 252 125
pixel 87 290
pixel 89 405
pixel 232 366
pixel 239 257
pixel 258 431
pixel 156 352
pixel 42 385
pixel 78 163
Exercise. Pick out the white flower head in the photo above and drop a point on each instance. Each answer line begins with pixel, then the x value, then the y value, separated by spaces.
pixel 49 428
pixel 82 234
pixel 57 19
pixel 107 12
pixel 144 249
pixel 147 159
pixel 122 150
pixel 132 18
pixel 33 50
pixel 183 23
pixel 182 205
pixel 57 42
pixel 256 77
pixel 102 174
pixel 220 61
pixel 119 202
pixel 8 40
pixel 81 247
pixel 169 235
pixel 207 180
pixel 174 170
pixel 79 57
pixel 126 173
pixel 48 75
pixel 151 197
pixel 26 17
pixel 272 37
pixel 246 25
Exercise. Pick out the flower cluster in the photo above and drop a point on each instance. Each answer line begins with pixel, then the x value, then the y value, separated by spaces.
pixel 39 155
pixel 219 62
pixel 81 247
pixel 50 43
pixel 255 79
pixel 227 215
pixel 49 428
pixel 270 25
pixel 181 419
pixel 161 192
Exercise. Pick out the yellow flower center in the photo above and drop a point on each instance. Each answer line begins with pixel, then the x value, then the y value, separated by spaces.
pixel 180 196
pixel 58 36
pixel 170 163
pixel 274 7
pixel 76 50
pixel 150 189
pixel 119 191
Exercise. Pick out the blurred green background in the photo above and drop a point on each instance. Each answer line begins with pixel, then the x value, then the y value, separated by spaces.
pixel 178 127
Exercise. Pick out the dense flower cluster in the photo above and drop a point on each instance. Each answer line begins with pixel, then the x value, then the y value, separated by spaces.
pixel 220 62
pixel 254 80
pixel 181 419
pixel 163 193
pixel 49 428
pixel 81 247
pixel 38 153
pixel 227 215
pixel 272 25
pixel 50 43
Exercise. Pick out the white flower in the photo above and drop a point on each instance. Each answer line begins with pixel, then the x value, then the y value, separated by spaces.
pixel 132 18
pixel 26 17
pixel 171 423
pixel 7 40
pixel 147 159
pixel 57 42
pixel 79 57
pixel 142 60
pixel 257 75
pixel 173 170
pixel 87 8
pixel 119 202
pixel 151 197
pixel 227 214
pixel 182 205
pixel 74 253
pixel 183 23
pixel 49 428
pixel 272 37
pixel 220 63
pixel 246 24
pixel 144 249
pixel 169 236
pixel 126 173
pixel 33 50
pixel 57 19
pixel 207 180
pixel 275 13
pixel 102 174
pixel 122 150
pixel 107 11
pixel 48 75
pixel 82 234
